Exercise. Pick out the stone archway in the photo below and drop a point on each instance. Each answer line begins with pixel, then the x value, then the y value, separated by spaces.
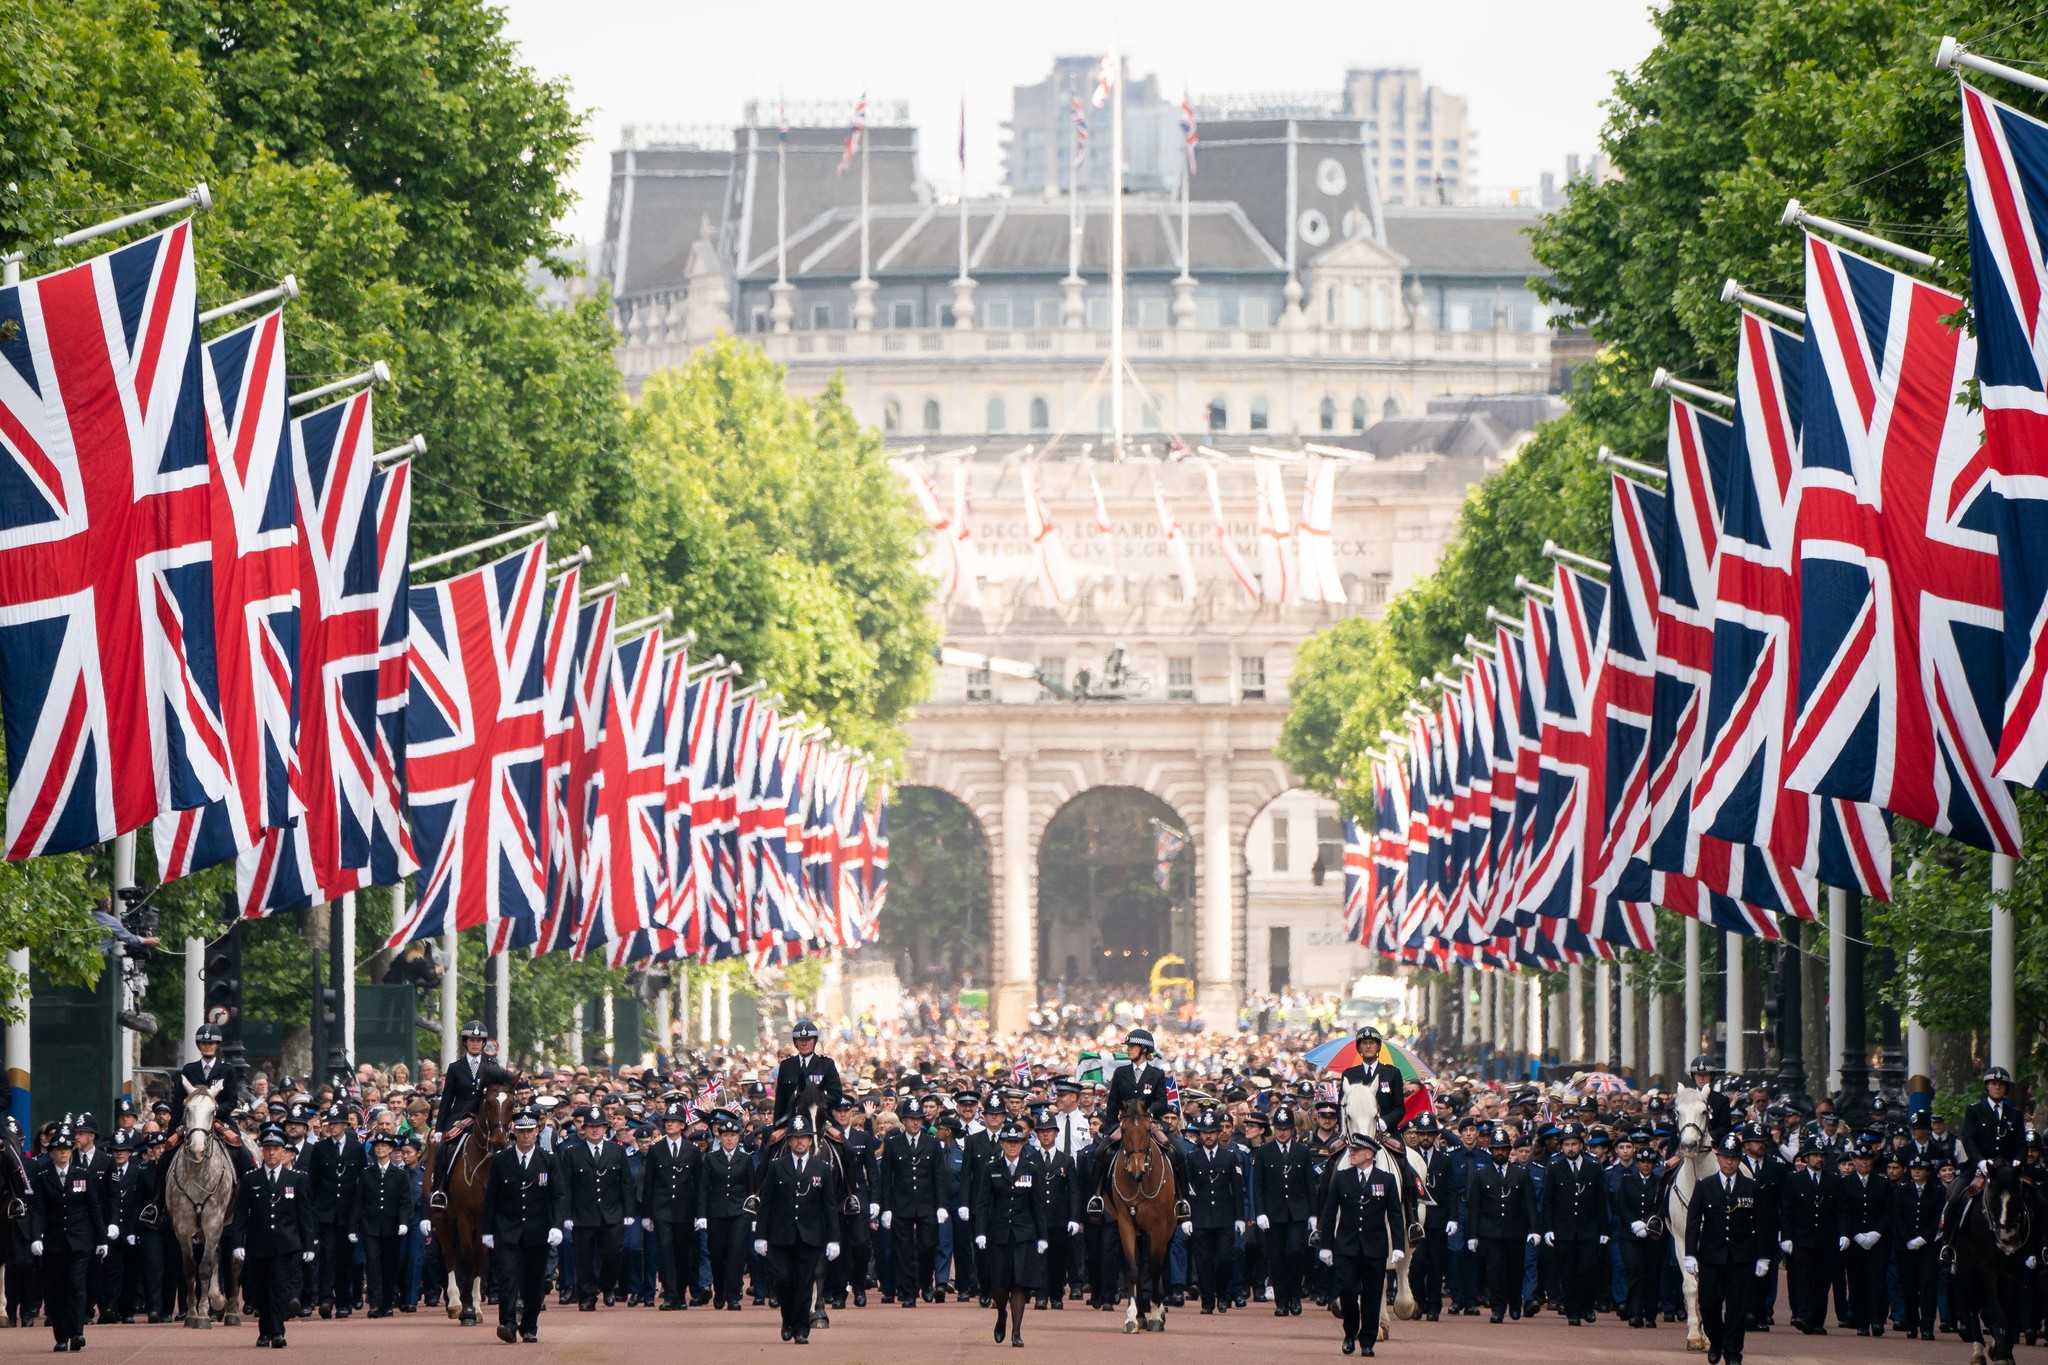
pixel 1116 889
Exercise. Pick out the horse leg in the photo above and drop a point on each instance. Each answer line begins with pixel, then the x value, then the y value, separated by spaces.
pixel 1127 1237
pixel 231 1301
pixel 1695 1335
pixel 192 1257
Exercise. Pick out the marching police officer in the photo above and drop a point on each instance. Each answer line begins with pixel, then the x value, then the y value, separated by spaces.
pixel 525 1209
pixel 1360 1231
pixel 1216 1194
pixel 1724 1251
pixel 727 1176
pixel 1429 1275
pixel 1010 1227
pixel 68 1228
pixel 1768 1170
pixel 857 1152
pixel 1810 1234
pixel 1062 1200
pixel 335 1164
pixel 806 1066
pixel 1869 1215
pixel 273 1235
pixel 912 1190
pixel 1639 1208
pixel 594 1169
pixel 1500 1217
pixel 1575 1222
pixel 671 1205
pixel 383 1218
pixel 1283 1206
pixel 798 1226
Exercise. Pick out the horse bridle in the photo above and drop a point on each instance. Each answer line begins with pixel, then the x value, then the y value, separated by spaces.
pixel 1123 1164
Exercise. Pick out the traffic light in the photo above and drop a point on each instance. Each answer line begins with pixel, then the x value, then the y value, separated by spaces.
pixel 223 983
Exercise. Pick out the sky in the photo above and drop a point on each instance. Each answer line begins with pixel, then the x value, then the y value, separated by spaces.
pixel 1536 75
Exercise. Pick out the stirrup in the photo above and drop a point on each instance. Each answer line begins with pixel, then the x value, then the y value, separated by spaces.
pixel 751 1205
pixel 438 1199
pixel 1182 1210
pixel 17 1209
pixel 1095 1203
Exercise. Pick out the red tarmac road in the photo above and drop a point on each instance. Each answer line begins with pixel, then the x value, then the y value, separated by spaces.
pixel 948 1334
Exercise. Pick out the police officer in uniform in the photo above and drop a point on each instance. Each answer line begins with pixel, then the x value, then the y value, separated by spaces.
pixel 1575 1222
pixel 1010 1228
pixel 1720 1109
pixel 1869 1215
pixel 1810 1234
pixel 383 1219
pixel 912 1189
pixel 798 1226
pixel 1769 1171
pixel 1724 1250
pixel 525 1208
pixel 806 1066
pixel 671 1205
pixel 1381 1079
pixel 1062 1200
pixel 1140 1078
pixel 1360 1231
pixel 594 1169
pixel 462 1089
pixel 273 1235
pixel 1216 1193
pixel 1430 1274
pixel 1283 1206
pixel 858 1152
pixel 1919 1226
pixel 210 1067
pixel 68 1229
pixel 335 1164
pixel 1500 1218
pixel 1639 1209
pixel 728 1174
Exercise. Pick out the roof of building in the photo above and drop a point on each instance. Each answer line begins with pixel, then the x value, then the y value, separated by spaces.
pixel 1460 240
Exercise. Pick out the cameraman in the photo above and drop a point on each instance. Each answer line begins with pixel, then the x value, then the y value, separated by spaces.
pixel 119 935
pixel 127 951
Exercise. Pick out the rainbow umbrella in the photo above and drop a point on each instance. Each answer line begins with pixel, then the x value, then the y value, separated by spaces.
pixel 1341 1054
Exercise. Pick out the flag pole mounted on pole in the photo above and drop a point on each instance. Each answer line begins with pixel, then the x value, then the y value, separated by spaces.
pixel 1115 74
pixel 378 373
pixel 1951 54
pixel 284 291
pixel 1795 215
pixel 200 199
pixel 545 524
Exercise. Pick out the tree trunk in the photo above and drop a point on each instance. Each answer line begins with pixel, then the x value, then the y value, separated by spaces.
pixel 1953 1065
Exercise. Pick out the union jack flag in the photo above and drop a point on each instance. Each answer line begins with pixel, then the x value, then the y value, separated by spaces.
pixel 1569 750
pixel 710 708
pixel 476 737
pixel 391 850
pixel 1080 117
pixel 1358 881
pixel 579 687
pixel 256 599
pixel 327 851
pixel 1389 856
pixel 876 875
pixel 684 911
pixel 2005 157
pixel 107 675
pixel 1739 794
pixel 623 870
pixel 854 134
pixel 1105 81
pixel 1901 665
pixel 1190 135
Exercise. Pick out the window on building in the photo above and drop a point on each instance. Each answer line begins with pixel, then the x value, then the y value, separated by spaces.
pixel 1262 417
pixel 1450 163
pixel 821 317
pixel 1280 828
pixel 761 323
pixel 892 415
pixel 946 318
pixel 1450 144
pixel 1358 414
pixel 1053 669
pixel 1382 307
pixel 1354 307
pixel 998 416
pixel 997 313
pixel 1048 312
pixel 903 313
pixel 1180 679
pixel 1326 415
pixel 1041 415
pixel 1208 311
pixel 1329 844
pixel 1251 677
pixel 1330 306
pixel 1256 312
pixel 1098 311
pixel 932 423
pixel 1460 319
pixel 1148 416
pixel 1103 416
pixel 1152 311
pixel 1219 414
pixel 979 685
pixel 1390 409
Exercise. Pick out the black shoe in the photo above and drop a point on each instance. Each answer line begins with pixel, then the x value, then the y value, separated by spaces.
pixel 326 1311
pixel 1877 1331
pixel 609 1298
pixel 587 1306
pixel 860 1298
pixel 1713 1358
pixel 78 1343
pixel 788 1335
pixel 529 1337
pixel 1498 1317
pixel 1573 1322
pixel 1862 1331
pixel 1926 1334
pixel 1002 1329
pixel 262 1344
pixel 1294 1308
pixel 803 1338
pixel 733 1307
pixel 341 1312
pixel 505 1334
pixel 1279 1310
pixel 277 1342
pixel 1366 1350
pixel 1429 1317
pixel 1017 1340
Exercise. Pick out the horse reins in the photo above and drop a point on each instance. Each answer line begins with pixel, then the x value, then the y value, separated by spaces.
pixel 1123 1165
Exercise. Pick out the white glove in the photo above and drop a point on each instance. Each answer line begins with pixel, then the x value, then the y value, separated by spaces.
pixel 831 1251
pixel 1041 1246
pixel 1690 1265
pixel 35 1248
pixel 1238 1227
pixel 351 1239
pixel 241 1253
pixel 490 1242
pixel 1763 1268
pixel 1785 1245
pixel 1841 1244
pixel 2032 1262
pixel 700 1224
pixel 1471 1244
pixel 131 1239
pixel 1396 1257
pixel 1915 1243
pixel 1550 1239
pixel 113 1232
pixel 1264 1224
pixel 874 1210
pixel 1309 1223
pixel 426 1228
pixel 1535 1240
pixel 887 1219
pixel 100 1251
pixel 647 1225
pixel 1187 1229
pixel 942 1217
pixel 760 1246
pixel 568 1224
pixel 1327 1256
pixel 1603 1239
pixel 1450 1229
pixel 1639 1228
pixel 1866 1240
pixel 981 1243
pixel 554 1237
pixel 1073 1229
pixel 306 1256
pixel 401 1229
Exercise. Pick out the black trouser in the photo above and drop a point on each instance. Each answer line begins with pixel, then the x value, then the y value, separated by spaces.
pixel 675 1244
pixel 1106 1258
pixel 1431 1265
pixel 1919 1272
pixel 1502 1257
pixel 1209 1253
pixel 1579 1267
pixel 1867 1296
pixel 1361 1285
pixel 1724 1303
pixel 65 1275
pixel 331 1266
pixel 383 1270
pixel 597 1259
pixel 728 1258
pixel 796 1271
pixel 1808 1274
pixel 1287 1255
pixel 267 1282
pixel 850 1271
pixel 917 1243
pixel 24 1290
pixel 1642 1259
pixel 522 1274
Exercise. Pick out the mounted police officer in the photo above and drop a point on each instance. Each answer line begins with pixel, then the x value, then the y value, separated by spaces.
pixel 525 1208
pixel 1720 1109
pixel 209 1066
pixel 462 1089
pixel 806 1066
pixel 1143 1080
pixel 1381 1079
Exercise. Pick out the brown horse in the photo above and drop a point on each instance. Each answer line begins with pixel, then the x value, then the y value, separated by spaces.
pixel 1141 1192
pixel 459 1227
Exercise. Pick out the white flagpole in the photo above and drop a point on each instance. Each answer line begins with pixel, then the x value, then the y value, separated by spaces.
pixel 782 201
pixel 963 184
pixel 2004 957
pixel 864 199
pixel 1116 252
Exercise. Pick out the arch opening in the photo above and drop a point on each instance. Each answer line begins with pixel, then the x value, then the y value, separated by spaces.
pixel 940 892
pixel 1116 892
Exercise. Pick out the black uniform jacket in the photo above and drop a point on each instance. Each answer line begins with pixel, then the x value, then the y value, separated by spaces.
pixel 522 1202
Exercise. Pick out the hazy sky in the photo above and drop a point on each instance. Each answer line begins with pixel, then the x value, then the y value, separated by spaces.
pixel 1536 74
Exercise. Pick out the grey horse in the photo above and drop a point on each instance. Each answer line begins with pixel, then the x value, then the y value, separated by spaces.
pixel 199 1193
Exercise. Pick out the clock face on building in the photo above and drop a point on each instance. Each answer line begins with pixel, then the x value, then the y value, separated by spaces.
pixel 1330 178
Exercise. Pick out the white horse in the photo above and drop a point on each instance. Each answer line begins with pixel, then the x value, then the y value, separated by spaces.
pixel 1360 1112
pixel 1696 1151
pixel 199 1194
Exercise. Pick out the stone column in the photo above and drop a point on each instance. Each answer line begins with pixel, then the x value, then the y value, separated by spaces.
pixel 1015 989
pixel 724 1010
pixel 195 996
pixel 1602 1055
pixel 1628 1022
pixel 1573 1053
pixel 1218 991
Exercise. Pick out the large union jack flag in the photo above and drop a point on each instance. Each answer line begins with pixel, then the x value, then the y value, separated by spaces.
pixel 476 735
pixel 1569 749
pixel 256 599
pixel 2005 156
pixel 578 669
pixel 1901 655
pixel 107 674
pixel 623 872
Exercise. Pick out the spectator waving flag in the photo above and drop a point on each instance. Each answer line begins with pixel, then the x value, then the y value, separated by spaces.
pixel 107 675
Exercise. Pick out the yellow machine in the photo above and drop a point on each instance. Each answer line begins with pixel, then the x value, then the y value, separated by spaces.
pixel 1164 986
